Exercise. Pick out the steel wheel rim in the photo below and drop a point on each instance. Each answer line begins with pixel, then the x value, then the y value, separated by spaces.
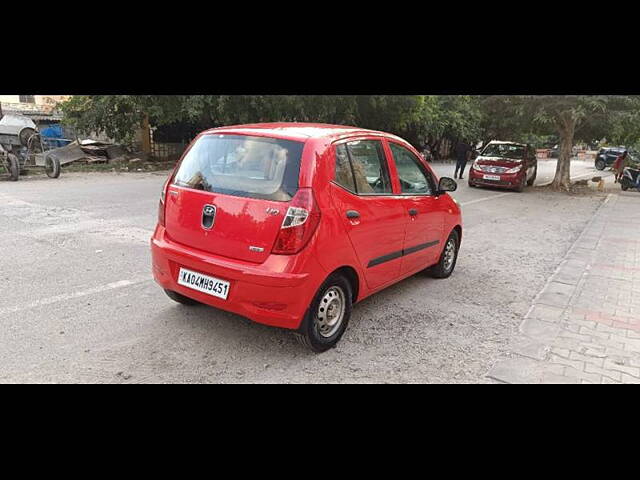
pixel 449 254
pixel 330 312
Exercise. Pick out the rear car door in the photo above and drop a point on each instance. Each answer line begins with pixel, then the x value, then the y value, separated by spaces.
pixel 373 215
pixel 423 209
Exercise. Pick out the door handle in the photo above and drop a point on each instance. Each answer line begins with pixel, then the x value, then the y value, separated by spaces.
pixel 413 212
pixel 353 214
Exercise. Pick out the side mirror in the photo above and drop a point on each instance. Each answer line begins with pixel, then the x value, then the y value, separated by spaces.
pixel 447 184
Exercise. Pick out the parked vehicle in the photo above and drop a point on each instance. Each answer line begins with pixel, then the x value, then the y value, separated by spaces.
pixel 504 165
pixel 291 224
pixel 22 146
pixel 629 178
pixel 607 156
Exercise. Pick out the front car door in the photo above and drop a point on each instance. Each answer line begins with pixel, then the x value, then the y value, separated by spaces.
pixel 373 215
pixel 423 208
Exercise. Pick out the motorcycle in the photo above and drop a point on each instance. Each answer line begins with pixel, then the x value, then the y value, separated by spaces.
pixel 629 179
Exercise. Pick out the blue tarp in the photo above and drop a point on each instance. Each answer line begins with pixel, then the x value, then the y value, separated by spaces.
pixel 53 136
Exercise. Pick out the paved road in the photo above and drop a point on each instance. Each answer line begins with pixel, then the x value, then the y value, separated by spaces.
pixel 77 303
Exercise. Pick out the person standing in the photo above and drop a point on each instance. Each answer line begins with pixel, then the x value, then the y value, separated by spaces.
pixel 463 152
pixel 618 166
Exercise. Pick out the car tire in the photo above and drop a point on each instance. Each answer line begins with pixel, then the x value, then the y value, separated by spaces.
pixel 448 259
pixel 601 164
pixel 52 166
pixel 176 297
pixel 533 179
pixel 14 167
pixel 328 316
pixel 471 184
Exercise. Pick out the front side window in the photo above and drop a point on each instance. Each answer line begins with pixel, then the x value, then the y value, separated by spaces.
pixel 369 167
pixel 414 179
pixel 244 166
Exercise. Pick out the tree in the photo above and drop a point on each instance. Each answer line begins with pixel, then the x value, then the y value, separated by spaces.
pixel 571 117
pixel 120 115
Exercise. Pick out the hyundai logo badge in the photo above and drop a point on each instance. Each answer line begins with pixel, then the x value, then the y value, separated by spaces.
pixel 208 216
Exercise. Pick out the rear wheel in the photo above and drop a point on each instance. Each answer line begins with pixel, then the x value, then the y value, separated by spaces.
pixel 52 166
pixel 447 263
pixel 176 297
pixel 328 316
pixel 13 164
pixel 601 165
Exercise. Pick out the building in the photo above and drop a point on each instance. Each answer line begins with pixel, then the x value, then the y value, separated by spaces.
pixel 42 109
pixel 31 102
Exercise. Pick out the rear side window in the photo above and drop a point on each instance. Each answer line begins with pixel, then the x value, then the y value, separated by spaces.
pixel 414 179
pixel 243 166
pixel 368 167
pixel 344 174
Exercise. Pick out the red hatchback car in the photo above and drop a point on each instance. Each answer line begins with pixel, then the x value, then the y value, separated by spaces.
pixel 290 224
pixel 504 165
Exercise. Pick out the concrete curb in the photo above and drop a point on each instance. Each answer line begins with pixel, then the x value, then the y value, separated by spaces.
pixel 541 324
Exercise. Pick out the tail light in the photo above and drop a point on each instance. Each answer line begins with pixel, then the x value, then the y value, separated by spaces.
pixel 299 224
pixel 161 205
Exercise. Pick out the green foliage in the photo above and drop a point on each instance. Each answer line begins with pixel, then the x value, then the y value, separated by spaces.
pixel 421 119
pixel 572 117
pixel 416 117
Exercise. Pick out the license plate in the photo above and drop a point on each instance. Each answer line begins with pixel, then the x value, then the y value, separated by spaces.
pixel 491 177
pixel 203 283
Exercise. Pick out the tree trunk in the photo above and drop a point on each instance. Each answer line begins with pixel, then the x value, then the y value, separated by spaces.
pixel 146 135
pixel 566 130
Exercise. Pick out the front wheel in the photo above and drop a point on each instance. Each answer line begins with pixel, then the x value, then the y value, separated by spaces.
pixel 328 316
pixel 601 165
pixel 533 178
pixel 14 167
pixel 625 184
pixel 447 263
pixel 52 166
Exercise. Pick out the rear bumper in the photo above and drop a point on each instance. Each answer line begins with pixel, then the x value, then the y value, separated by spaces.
pixel 272 293
pixel 507 180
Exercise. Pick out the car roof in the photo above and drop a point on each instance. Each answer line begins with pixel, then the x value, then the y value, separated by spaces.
pixel 296 130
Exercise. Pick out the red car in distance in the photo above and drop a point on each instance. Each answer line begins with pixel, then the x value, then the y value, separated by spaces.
pixel 504 165
pixel 291 224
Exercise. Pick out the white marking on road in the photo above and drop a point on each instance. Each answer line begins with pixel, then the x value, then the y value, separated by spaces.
pixel 79 294
pixel 484 199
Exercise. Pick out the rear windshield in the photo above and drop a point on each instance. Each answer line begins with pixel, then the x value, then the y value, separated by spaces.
pixel 243 166
pixel 505 150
